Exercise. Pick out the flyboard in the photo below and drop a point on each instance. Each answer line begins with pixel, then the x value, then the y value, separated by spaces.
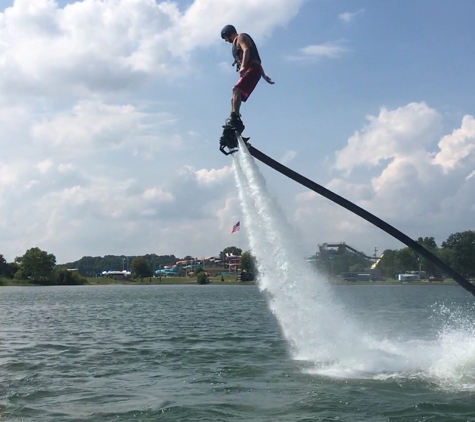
pixel 228 143
pixel 229 140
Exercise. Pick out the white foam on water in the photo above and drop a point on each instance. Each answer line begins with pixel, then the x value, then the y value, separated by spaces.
pixel 452 361
pixel 317 326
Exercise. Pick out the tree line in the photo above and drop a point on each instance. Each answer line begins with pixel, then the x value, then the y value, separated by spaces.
pixel 40 267
pixel 458 251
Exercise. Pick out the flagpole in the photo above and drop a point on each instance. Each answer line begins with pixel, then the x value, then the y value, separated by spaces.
pixel 237 227
pixel 239 268
pixel 239 238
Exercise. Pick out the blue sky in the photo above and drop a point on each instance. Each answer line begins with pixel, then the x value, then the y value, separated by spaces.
pixel 112 110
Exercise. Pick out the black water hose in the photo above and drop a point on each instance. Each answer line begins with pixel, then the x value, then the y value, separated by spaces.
pixel 363 214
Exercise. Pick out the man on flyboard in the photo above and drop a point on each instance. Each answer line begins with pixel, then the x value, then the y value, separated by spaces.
pixel 248 64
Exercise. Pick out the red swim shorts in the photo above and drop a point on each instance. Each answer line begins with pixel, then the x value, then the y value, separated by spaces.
pixel 249 80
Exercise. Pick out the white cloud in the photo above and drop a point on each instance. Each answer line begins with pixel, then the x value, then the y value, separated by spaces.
pixel 254 16
pixel 82 172
pixel 96 45
pixel 157 194
pixel 400 179
pixel 306 196
pixel 84 151
pixel 348 189
pixel 458 145
pixel 331 50
pixel 213 176
pixel 109 46
pixel 392 134
pixel 64 168
pixel 348 17
pixel 93 124
pixel 8 174
pixel 84 214
pixel 288 157
pixel 44 166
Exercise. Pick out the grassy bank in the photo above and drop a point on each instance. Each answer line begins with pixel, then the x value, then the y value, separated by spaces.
pixel 447 282
pixel 228 280
pixel 12 282
pixel 167 280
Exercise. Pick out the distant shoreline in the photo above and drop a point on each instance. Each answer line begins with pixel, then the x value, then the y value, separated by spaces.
pixel 395 283
pixel 228 281
pixel 5 282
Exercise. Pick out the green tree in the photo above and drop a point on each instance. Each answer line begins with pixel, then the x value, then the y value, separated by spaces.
pixel 462 245
pixel 248 262
pixel 91 266
pixel 140 268
pixel 62 276
pixel 19 274
pixel 202 278
pixel 12 268
pixel 431 246
pixel 3 266
pixel 388 265
pixel 337 261
pixel 427 242
pixel 357 268
pixel 406 260
pixel 446 255
pixel 36 264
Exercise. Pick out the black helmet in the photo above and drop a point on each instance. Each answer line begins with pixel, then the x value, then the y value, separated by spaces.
pixel 228 29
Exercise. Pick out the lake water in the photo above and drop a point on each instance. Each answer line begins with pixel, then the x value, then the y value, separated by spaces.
pixel 217 353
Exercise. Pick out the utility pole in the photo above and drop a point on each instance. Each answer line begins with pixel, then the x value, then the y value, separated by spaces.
pixel 375 252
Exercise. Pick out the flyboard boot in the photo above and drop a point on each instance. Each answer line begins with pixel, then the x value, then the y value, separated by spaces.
pixel 232 127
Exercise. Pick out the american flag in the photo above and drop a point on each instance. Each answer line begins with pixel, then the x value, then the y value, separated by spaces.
pixel 235 227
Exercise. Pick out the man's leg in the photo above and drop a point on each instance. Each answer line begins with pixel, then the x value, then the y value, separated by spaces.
pixel 234 120
pixel 236 101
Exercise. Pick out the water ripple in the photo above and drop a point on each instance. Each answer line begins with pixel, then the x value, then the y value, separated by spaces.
pixel 182 353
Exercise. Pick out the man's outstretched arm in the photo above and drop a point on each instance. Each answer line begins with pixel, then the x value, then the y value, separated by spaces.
pixel 265 77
